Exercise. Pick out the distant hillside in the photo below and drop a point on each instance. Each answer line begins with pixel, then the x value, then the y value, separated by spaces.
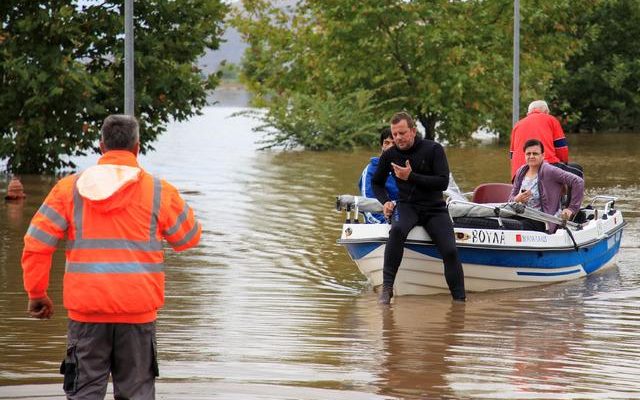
pixel 231 50
pixel 232 47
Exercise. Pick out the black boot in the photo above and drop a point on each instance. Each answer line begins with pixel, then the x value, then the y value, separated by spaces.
pixel 386 295
pixel 459 296
pixel 459 299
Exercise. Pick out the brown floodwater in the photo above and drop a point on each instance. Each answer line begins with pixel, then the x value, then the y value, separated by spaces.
pixel 270 307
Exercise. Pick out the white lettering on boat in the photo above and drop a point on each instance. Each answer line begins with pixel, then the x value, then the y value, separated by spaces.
pixel 491 237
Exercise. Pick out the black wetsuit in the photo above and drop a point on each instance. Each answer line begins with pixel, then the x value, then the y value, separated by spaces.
pixel 420 202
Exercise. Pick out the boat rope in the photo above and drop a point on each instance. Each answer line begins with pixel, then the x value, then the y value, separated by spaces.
pixel 566 228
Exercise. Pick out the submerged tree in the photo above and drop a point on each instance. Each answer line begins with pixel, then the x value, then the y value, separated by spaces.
pixel 447 62
pixel 61 69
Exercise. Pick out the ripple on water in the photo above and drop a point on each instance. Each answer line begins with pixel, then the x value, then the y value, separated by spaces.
pixel 268 306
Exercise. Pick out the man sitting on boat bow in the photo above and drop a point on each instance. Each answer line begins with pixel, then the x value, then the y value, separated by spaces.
pixel 421 171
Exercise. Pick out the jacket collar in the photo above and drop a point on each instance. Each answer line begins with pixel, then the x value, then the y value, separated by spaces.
pixel 415 145
pixel 119 157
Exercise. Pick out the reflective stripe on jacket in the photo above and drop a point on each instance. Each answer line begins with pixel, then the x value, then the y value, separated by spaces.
pixel 115 216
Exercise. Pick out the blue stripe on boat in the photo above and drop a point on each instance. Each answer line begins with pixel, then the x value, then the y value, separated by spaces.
pixel 591 258
pixel 510 258
pixel 573 271
pixel 360 250
pixel 601 255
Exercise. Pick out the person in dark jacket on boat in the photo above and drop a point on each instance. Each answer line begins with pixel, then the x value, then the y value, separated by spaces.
pixel 421 171
pixel 365 185
pixel 539 185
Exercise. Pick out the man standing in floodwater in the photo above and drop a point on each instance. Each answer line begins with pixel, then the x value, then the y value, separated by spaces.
pixel 422 173
pixel 114 216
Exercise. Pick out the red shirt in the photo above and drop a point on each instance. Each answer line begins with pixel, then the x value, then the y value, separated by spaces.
pixel 545 128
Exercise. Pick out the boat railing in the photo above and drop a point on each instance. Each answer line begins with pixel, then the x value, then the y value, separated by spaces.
pixel 608 206
pixel 356 204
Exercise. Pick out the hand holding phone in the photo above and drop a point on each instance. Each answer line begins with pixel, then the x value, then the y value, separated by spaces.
pixel 523 197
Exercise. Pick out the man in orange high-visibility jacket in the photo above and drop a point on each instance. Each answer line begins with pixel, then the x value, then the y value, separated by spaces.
pixel 115 216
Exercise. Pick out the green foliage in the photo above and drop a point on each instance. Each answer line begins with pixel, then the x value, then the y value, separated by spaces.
pixel 601 88
pixel 228 71
pixel 61 68
pixel 332 123
pixel 447 62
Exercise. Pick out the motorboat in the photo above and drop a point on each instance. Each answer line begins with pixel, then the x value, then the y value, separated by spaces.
pixel 495 251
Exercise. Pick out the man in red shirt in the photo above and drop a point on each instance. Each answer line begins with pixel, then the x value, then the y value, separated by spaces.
pixel 538 124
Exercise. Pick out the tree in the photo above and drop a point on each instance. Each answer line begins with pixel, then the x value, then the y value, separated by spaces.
pixel 447 62
pixel 600 89
pixel 61 68
pixel 300 120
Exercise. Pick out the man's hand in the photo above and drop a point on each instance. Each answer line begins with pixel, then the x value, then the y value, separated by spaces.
pixel 566 214
pixel 387 209
pixel 40 308
pixel 402 172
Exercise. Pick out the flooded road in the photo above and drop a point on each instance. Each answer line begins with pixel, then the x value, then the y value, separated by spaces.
pixel 270 307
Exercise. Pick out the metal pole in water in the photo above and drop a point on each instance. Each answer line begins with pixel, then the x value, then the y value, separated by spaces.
pixel 516 62
pixel 128 58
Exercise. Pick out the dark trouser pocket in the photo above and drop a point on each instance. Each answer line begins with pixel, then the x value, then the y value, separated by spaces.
pixel 154 355
pixel 69 368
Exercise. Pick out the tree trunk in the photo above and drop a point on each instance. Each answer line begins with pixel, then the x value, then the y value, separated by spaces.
pixel 429 124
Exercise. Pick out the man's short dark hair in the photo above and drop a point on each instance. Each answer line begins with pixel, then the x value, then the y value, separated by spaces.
pixel 120 132
pixel 533 142
pixel 399 116
pixel 385 133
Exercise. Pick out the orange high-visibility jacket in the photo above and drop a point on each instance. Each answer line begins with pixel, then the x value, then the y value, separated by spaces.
pixel 115 216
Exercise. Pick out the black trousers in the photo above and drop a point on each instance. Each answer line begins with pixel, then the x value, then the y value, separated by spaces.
pixel 440 228
pixel 574 168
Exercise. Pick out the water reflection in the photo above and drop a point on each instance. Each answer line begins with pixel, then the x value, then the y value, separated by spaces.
pixel 537 343
pixel 271 304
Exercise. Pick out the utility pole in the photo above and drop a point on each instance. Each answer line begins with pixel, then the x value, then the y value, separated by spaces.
pixel 516 62
pixel 129 92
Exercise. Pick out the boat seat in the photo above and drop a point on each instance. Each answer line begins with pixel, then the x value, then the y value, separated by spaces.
pixel 492 193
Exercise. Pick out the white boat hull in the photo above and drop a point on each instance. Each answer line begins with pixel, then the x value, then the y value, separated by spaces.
pixel 492 259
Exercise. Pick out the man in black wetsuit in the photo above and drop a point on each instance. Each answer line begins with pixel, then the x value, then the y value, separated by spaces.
pixel 421 171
